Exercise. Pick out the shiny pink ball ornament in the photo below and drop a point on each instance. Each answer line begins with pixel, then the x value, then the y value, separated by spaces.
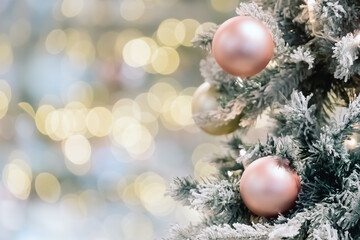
pixel 243 46
pixel 269 186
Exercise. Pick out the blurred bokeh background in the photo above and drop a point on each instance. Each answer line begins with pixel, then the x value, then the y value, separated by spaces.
pixel 95 115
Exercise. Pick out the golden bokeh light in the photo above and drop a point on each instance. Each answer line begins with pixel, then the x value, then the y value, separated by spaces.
pixel 190 28
pixel 27 108
pixel 72 8
pixel 6 55
pixel 181 110
pixel 47 187
pixel 123 38
pixel 150 122
pixel 73 206
pixel 99 121
pixel 128 194
pixel 128 132
pixel 204 170
pixel 146 100
pixel 77 114
pixel 41 116
pixel 6 89
pixel 4 104
pixel 165 60
pixel 56 41
pixel 151 189
pixel 80 92
pixel 77 149
pixel 166 117
pixel 161 91
pixel 224 5
pixel 126 107
pixel 82 53
pixel 17 178
pixel 202 151
pixel 77 169
pixel 59 124
pixel 171 32
pixel 137 52
pixel 351 143
pixel 132 10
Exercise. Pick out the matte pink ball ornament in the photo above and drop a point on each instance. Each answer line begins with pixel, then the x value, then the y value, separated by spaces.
pixel 243 46
pixel 269 186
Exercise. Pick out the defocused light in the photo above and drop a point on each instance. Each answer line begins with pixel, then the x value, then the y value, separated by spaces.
pixel 132 10
pixel 59 124
pixel 171 32
pixel 128 194
pixel 161 92
pixel 77 169
pixel 56 41
pixel 351 143
pixel 73 206
pixel 204 27
pixel 41 116
pixel 126 107
pixel 99 121
pixel 17 178
pixel 204 170
pixel 190 26
pixel 81 92
pixel 77 149
pixel 137 53
pixel 81 53
pixel 71 8
pixel 202 151
pixel 124 37
pixel 27 108
pixel 132 223
pixel 181 110
pixel 4 104
pixel 6 89
pixel 47 187
pixel 165 60
pixel 6 55
pixel 151 189
pixel 167 118
pixel 144 99
pixel 224 5
pixel 77 114
pixel 129 133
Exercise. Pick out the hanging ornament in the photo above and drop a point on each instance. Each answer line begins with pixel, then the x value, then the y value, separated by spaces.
pixel 269 186
pixel 205 101
pixel 243 46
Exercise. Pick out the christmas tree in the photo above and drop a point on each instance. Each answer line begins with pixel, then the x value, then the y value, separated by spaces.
pixel 314 69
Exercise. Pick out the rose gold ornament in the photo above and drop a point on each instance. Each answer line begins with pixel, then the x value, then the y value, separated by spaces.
pixel 269 186
pixel 243 46
pixel 205 100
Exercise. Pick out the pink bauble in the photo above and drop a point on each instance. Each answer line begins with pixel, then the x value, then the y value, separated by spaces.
pixel 243 46
pixel 269 186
